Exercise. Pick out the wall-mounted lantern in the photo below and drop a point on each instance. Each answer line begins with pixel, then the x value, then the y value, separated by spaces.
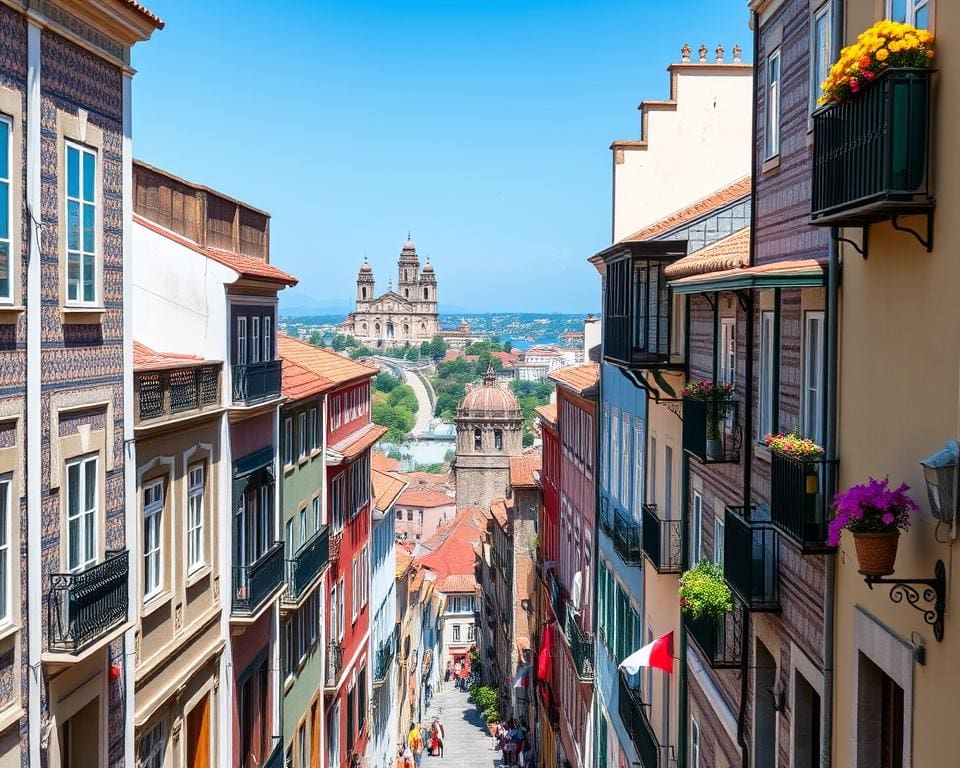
pixel 941 475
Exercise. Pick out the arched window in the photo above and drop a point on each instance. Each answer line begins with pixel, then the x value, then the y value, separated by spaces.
pixel 498 439
pixel 477 439
pixel 426 294
pixel 363 292
pixel 406 330
pixel 406 293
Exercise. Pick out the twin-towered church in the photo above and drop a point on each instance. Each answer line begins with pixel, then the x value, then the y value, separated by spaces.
pixel 407 314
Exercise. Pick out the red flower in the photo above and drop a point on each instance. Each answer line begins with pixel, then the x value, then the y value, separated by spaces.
pixel 868 74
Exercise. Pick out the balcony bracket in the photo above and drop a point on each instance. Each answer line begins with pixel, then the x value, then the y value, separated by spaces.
pixel 743 298
pixel 863 247
pixel 926 243
pixel 934 591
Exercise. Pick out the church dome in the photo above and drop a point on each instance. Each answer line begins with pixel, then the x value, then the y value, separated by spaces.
pixel 428 267
pixel 489 398
pixel 409 247
pixel 365 268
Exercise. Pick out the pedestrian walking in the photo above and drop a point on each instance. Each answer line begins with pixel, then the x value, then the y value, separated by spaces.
pixel 416 744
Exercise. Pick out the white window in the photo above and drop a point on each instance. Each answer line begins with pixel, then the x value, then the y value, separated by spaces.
pixel 81 218
pixel 303 526
pixel 638 463
pixel 195 493
pixel 614 445
pixel 916 12
pixel 334 614
pixel 288 441
pixel 694 743
pixel 718 524
pixel 152 539
pixel 6 208
pixel 314 430
pixel 316 514
pixel 822 53
pixel 335 415
pixel 606 446
pixel 364 566
pixel 255 339
pixel 697 538
pixel 469 633
pixel 288 539
pixel 727 351
pixel 653 470
pixel 289 647
pixel 5 564
pixel 812 416
pixel 241 351
pixel 456 633
pixel 152 748
pixel 302 746
pixel 668 482
pixel 354 591
pixel 625 461
pixel 267 339
pixel 341 596
pixel 302 434
pixel 82 513
pixel 773 104
pixel 333 728
pixel 768 351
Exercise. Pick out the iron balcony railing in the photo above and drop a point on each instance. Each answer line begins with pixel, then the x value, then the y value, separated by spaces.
pixel 254 583
pixel 751 558
pixel 606 517
pixel 334 664
pixel 711 431
pixel 633 715
pixel 798 505
pixel 82 607
pixel 385 653
pixel 580 643
pixel 558 600
pixel 718 638
pixel 256 382
pixel 871 153
pixel 661 540
pixel 306 564
pixel 171 392
pixel 626 539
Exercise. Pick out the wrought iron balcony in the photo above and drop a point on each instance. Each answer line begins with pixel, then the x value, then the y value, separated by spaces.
pixel 256 382
pixel 606 517
pixel 711 430
pixel 254 583
pixel 626 539
pixel 719 639
pixel 580 643
pixel 798 506
pixel 751 558
pixel 334 665
pixel 661 540
pixel 83 607
pixel 306 564
pixel 165 394
pixel 633 715
pixel 384 656
pixel 558 600
pixel 871 153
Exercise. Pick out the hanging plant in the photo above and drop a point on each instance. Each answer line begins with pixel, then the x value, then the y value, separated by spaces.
pixel 704 592
pixel 885 45
pixel 792 446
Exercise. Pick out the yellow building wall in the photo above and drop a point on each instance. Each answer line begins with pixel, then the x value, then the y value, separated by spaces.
pixel 898 403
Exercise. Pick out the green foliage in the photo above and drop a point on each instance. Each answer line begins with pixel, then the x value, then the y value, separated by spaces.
pixel 357 352
pixel 403 396
pixel 527 439
pixel 478 347
pixel 507 346
pixel 484 697
pixel 432 469
pixel 413 353
pixel 474 658
pixel 491 715
pixel 316 338
pixel 397 419
pixel 341 342
pixel 385 382
pixel 704 592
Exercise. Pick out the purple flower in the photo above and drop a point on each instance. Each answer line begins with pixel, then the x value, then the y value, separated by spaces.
pixel 887 518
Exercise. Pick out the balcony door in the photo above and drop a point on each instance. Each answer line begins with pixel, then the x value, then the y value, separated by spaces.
pixel 198 735
pixel 253 520
pixel 80 738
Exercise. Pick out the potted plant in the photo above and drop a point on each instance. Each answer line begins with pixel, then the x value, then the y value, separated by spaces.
pixel 791 446
pixel 492 716
pixel 875 515
pixel 885 45
pixel 704 592
pixel 717 396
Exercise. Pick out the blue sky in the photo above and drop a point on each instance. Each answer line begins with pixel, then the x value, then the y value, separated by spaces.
pixel 481 126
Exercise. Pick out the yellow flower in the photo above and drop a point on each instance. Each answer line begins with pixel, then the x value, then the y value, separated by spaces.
pixel 882 54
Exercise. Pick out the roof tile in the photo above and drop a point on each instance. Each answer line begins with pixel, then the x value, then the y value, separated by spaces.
pixel 522 469
pixel 337 368
pixel 146 359
pixel 582 379
pixel 731 252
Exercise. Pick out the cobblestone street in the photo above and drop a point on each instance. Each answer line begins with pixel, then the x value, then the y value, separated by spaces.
pixel 467 743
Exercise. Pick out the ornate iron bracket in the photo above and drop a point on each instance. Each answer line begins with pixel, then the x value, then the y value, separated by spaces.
pixel 926 243
pixel 863 247
pixel 934 591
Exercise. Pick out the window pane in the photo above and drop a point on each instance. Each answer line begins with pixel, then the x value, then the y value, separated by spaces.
pixel 898 10
pixel 4 270
pixel 88 228
pixel 922 21
pixel 89 270
pixel 73 490
pixel 90 484
pixel 73 172
pixel 89 167
pixel 4 206
pixel 73 226
pixel 73 277
pixel 73 545
pixel 4 149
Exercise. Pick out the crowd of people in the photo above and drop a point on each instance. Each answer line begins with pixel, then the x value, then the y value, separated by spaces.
pixel 513 740
pixel 423 739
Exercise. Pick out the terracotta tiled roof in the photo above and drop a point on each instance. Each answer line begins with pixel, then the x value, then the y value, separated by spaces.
pixel 582 379
pixel 425 497
pixel 452 546
pixel 245 266
pixel 490 398
pixel 809 269
pixel 146 359
pixel 386 489
pixel 731 252
pixel 500 509
pixel 146 13
pixel 337 368
pixel 703 206
pixel 522 469
pixel 403 562
pixel 458 582
pixel 547 412
pixel 297 382
pixel 384 463
pixel 357 442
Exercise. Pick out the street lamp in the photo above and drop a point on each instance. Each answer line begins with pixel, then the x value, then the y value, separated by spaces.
pixel 940 473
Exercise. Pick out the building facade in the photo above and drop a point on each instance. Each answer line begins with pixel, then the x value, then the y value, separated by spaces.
pixel 397 317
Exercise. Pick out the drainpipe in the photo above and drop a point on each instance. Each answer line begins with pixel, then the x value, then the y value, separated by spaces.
pixel 596 504
pixel 830 448
pixel 684 565
pixel 748 402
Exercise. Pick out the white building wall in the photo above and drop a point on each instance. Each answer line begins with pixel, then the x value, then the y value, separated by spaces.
pixel 382 746
pixel 677 162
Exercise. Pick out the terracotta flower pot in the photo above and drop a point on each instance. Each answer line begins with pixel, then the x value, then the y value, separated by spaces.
pixel 876 552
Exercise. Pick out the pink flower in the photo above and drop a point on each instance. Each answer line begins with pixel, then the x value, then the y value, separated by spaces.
pixel 868 74
pixel 887 518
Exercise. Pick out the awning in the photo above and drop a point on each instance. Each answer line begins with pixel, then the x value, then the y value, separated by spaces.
pixel 806 273
pixel 355 444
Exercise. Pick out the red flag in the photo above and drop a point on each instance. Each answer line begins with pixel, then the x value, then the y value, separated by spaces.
pixel 545 659
pixel 658 654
